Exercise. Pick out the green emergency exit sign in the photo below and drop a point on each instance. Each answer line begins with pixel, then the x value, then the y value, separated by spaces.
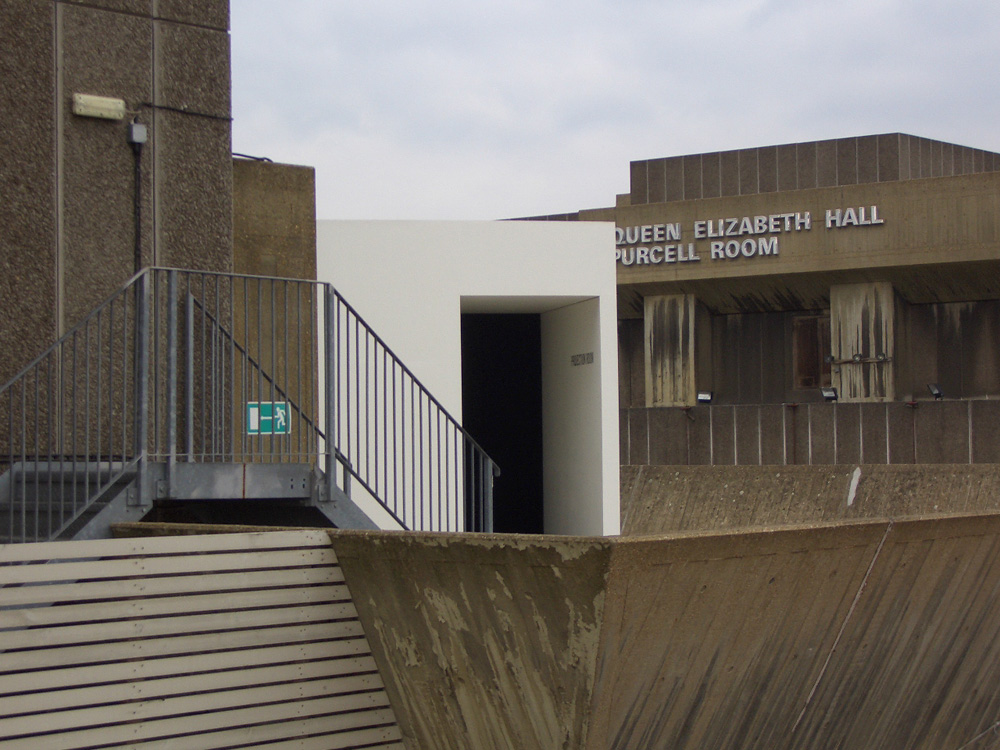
pixel 268 418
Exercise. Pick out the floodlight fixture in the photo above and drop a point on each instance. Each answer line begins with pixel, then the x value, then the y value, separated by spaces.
pixel 101 107
pixel 936 391
pixel 704 397
pixel 829 394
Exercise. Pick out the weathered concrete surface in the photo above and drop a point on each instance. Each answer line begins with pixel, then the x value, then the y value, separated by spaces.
pixel 67 218
pixel 274 219
pixel 864 635
pixel 483 641
pixel 666 499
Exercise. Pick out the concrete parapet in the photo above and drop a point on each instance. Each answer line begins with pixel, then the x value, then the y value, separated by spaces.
pixel 857 635
pixel 483 641
pixel 666 499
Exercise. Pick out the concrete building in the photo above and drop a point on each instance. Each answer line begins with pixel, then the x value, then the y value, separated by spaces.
pixel 69 174
pixel 865 265
pixel 753 280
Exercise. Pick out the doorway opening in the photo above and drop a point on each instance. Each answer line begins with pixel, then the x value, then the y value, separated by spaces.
pixel 502 410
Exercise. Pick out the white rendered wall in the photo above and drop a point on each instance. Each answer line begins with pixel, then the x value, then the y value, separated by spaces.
pixel 412 280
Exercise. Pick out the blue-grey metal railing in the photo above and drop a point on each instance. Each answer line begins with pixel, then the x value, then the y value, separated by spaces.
pixel 182 366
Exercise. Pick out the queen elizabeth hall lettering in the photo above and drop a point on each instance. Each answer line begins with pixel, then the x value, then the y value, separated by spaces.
pixel 732 238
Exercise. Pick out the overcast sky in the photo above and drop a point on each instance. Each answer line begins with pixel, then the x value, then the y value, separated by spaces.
pixel 478 109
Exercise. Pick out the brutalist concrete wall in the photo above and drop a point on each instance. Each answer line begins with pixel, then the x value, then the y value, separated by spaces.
pixel 67 214
pixel 798 166
pixel 877 634
pixel 274 219
pixel 27 182
pixel 683 499
pixel 482 641
pixel 274 234
pixel 858 636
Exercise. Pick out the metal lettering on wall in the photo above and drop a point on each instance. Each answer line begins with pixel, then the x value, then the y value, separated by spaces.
pixel 729 238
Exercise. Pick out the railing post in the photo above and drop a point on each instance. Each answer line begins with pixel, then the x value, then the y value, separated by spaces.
pixel 494 472
pixel 142 344
pixel 171 395
pixel 329 404
pixel 189 376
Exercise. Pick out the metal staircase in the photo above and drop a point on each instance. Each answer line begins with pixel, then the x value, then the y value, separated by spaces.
pixel 196 387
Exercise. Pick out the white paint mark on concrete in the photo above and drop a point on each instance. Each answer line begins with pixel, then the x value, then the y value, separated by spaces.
pixel 855 478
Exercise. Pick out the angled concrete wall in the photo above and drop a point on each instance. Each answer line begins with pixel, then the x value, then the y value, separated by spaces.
pixel 876 634
pixel 482 641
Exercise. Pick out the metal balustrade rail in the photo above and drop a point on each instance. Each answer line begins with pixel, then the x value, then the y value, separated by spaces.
pixel 72 422
pixel 182 367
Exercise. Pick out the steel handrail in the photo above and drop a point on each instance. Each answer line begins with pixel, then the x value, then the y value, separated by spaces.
pixel 117 399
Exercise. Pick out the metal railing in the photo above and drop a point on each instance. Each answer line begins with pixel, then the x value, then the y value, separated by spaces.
pixel 200 367
pixel 71 423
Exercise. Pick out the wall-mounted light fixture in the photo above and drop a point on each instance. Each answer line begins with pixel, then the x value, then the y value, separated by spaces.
pixel 881 357
pixel 101 107
pixel 936 391
pixel 857 357
pixel 829 394
pixel 704 397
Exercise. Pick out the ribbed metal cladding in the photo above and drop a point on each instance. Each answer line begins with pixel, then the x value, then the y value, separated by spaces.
pixel 227 641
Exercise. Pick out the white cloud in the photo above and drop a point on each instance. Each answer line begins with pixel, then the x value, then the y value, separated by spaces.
pixel 488 109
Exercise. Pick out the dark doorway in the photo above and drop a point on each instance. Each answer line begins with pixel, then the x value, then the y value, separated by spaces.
pixel 502 410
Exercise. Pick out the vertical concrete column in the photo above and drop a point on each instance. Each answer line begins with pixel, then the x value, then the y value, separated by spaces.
pixel 677 331
pixel 863 336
